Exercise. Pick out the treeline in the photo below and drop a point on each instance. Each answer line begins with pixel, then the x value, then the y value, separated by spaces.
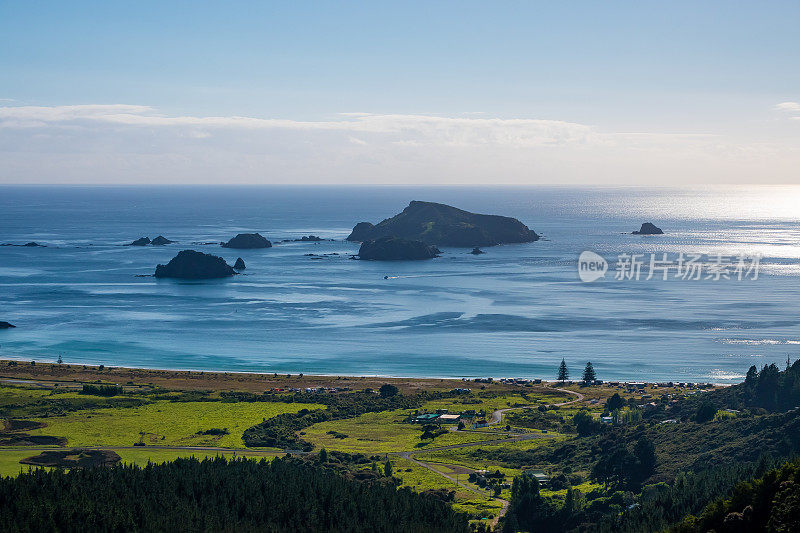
pixel 215 495
pixel 768 388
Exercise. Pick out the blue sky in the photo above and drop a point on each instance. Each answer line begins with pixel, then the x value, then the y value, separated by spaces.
pixel 428 92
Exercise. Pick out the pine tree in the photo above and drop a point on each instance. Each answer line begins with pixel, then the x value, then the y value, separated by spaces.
pixel 563 373
pixel 588 373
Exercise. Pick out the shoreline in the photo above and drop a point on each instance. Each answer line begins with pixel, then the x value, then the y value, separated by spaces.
pixel 75 374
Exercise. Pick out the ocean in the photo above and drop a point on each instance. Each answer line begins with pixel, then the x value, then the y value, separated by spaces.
pixel 514 311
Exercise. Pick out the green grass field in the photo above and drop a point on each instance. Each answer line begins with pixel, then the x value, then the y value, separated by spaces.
pixel 462 457
pixel 153 455
pixel 165 423
pixel 384 432
pixel 421 479
pixel 9 461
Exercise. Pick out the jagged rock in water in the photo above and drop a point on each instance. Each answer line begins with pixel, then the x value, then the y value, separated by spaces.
pixel 143 241
pixel 160 241
pixel 6 325
pixel 443 225
pixel 248 240
pixel 33 245
pixel 239 264
pixel 189 264
pixel 396 249
pixel 477 251
pixel 648 228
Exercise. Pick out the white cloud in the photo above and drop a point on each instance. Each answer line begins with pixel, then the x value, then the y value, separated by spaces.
pixel 138 144
pixel 434 129
pixel 788 106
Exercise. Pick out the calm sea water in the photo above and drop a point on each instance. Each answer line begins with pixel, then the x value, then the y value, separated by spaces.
pixel 515 311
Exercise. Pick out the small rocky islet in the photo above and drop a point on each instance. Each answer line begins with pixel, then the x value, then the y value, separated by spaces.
pixel 145 241
pixel 396 249
pixel 247 241
pixel 26 245
pixel 189 264
pixel 648 228
pixel 6 325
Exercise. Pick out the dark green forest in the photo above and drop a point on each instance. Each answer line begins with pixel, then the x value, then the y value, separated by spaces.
pixel 770 503
pixel 215 495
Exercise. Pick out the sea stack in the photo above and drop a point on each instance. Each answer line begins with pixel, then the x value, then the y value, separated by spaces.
pixel 239 264
pixel 648 228
pixel 443 225
pixel 247 241
pixel 396 249
pixel 160 241
pixel 189 264
pixel 142 241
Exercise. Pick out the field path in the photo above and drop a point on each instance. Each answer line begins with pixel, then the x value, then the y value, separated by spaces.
pixel 497 416
pixel 503 503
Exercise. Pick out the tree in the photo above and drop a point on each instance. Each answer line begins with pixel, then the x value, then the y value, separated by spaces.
pixel 323 455
pixel 387 391
pixel 563 372
pixel 614 403
pixel 705 412
pixel 588 373
pixel 387 469
pixel 645 454
pixel 751 377
pixel 586 425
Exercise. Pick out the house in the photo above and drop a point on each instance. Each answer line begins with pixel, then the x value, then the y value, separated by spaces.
pixel 607 419
pixel 425 418
pixel 448 419
pixel 480 424
pixel 540 476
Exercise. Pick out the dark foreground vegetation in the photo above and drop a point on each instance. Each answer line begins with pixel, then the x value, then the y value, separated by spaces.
pixel 770 503
pixel 215 495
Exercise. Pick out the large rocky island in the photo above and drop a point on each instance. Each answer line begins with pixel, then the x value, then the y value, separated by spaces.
pixel 189 264
pixel 443 225
pixel 396 249
pixel 247 241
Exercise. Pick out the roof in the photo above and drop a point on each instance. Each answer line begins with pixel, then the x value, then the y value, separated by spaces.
pixel 449 417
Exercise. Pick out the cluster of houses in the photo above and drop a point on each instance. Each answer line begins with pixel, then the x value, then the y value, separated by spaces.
pixel 443 416
pixel 512 381
pixel 637 387
pixel 315 390
pixel 629 386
